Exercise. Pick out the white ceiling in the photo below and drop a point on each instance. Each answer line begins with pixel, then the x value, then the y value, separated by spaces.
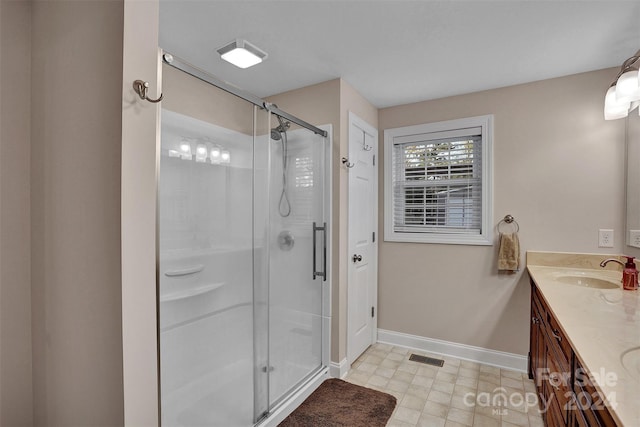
pixel 397 52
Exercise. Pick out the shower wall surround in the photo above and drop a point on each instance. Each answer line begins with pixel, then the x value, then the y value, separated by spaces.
pixel 205 293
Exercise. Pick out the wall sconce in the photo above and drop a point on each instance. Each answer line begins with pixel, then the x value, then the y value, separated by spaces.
pixel 623 96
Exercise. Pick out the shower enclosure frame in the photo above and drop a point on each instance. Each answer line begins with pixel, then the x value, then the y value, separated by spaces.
pixel 296 396
pixel 176 62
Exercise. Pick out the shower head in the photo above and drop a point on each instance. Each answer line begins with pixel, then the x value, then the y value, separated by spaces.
pixel 275 134
pixel 280 134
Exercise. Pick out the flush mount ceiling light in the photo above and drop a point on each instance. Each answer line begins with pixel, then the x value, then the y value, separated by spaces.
pixel 242 54
pixel 624 93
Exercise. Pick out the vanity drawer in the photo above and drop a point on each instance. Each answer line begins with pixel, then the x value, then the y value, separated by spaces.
pixel 557 338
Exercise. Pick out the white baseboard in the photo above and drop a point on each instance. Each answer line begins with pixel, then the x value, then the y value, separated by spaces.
pixel 339 370
pixel 486 356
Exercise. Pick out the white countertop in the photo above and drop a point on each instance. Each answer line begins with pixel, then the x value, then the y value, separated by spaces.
pixel 601 325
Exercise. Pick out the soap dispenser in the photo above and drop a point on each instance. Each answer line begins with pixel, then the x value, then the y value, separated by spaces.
pixel 630 275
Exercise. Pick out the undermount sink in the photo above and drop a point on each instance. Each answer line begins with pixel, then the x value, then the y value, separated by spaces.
pixel 631 361
pixel 578 279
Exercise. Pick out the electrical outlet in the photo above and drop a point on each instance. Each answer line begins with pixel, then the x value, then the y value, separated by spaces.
pixel 605 238
pixel 634 238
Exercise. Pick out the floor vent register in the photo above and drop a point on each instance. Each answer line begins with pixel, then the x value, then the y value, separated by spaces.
pixel 426 360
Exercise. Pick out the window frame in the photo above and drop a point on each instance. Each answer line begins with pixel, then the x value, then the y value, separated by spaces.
pixel 486 234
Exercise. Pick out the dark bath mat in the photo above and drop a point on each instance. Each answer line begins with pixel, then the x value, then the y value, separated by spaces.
pixel 337 403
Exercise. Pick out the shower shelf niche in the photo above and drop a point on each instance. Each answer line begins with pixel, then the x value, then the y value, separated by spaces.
pixel 184 271
pixel 190 292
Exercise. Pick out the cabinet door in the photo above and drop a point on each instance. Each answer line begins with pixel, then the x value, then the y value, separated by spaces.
pixel 537 352
pixel 533 334
pixel 541 351
pixel 578 419
pixel 538 346
pixel 553 416
pixel 558 383
pixel 589 402
pixel 533 337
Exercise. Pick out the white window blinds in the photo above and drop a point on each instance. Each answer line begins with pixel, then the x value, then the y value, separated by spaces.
pixel 437 184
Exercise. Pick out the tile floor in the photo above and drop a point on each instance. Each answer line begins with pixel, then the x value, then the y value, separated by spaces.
pixel 460 393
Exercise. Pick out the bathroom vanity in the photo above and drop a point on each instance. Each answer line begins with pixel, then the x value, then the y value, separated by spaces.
pixel 584 351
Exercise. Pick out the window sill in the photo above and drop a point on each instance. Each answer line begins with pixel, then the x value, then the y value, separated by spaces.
pixel 449 239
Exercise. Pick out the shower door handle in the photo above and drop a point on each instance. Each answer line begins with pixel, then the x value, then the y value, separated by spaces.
pixel 322 273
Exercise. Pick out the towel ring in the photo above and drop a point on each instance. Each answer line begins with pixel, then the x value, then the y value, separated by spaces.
pixel 509 219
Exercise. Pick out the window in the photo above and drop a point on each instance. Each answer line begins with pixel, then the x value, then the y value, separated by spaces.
pixel 438 182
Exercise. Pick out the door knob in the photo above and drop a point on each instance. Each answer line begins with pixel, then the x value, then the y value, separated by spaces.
pixel 356 258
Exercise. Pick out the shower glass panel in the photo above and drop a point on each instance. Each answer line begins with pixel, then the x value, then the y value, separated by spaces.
pixel 206 250
pixel 241 280
pixel 296 198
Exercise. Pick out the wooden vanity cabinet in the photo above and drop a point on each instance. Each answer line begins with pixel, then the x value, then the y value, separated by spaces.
pixel 548 364
pixel 553 367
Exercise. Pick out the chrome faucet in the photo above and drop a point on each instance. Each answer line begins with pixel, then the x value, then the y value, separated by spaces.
pixel 607 261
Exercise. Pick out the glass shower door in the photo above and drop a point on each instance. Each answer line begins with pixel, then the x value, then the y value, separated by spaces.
pixel 206 290
pixel 297 261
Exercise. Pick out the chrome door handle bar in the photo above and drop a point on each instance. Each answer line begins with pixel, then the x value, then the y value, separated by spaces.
pixel 322 273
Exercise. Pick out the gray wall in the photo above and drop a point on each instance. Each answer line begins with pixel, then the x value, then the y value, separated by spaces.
pixel 75 204
pixel 15 290
pixel 558 169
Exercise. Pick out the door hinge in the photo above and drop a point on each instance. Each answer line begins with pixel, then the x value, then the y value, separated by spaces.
pixel 372 311
pixel 374 160
pixel 373 239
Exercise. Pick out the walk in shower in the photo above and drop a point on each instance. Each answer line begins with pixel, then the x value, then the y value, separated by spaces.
pixel 243 296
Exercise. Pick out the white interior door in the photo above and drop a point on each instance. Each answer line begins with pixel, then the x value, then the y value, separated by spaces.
pixel 363 225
